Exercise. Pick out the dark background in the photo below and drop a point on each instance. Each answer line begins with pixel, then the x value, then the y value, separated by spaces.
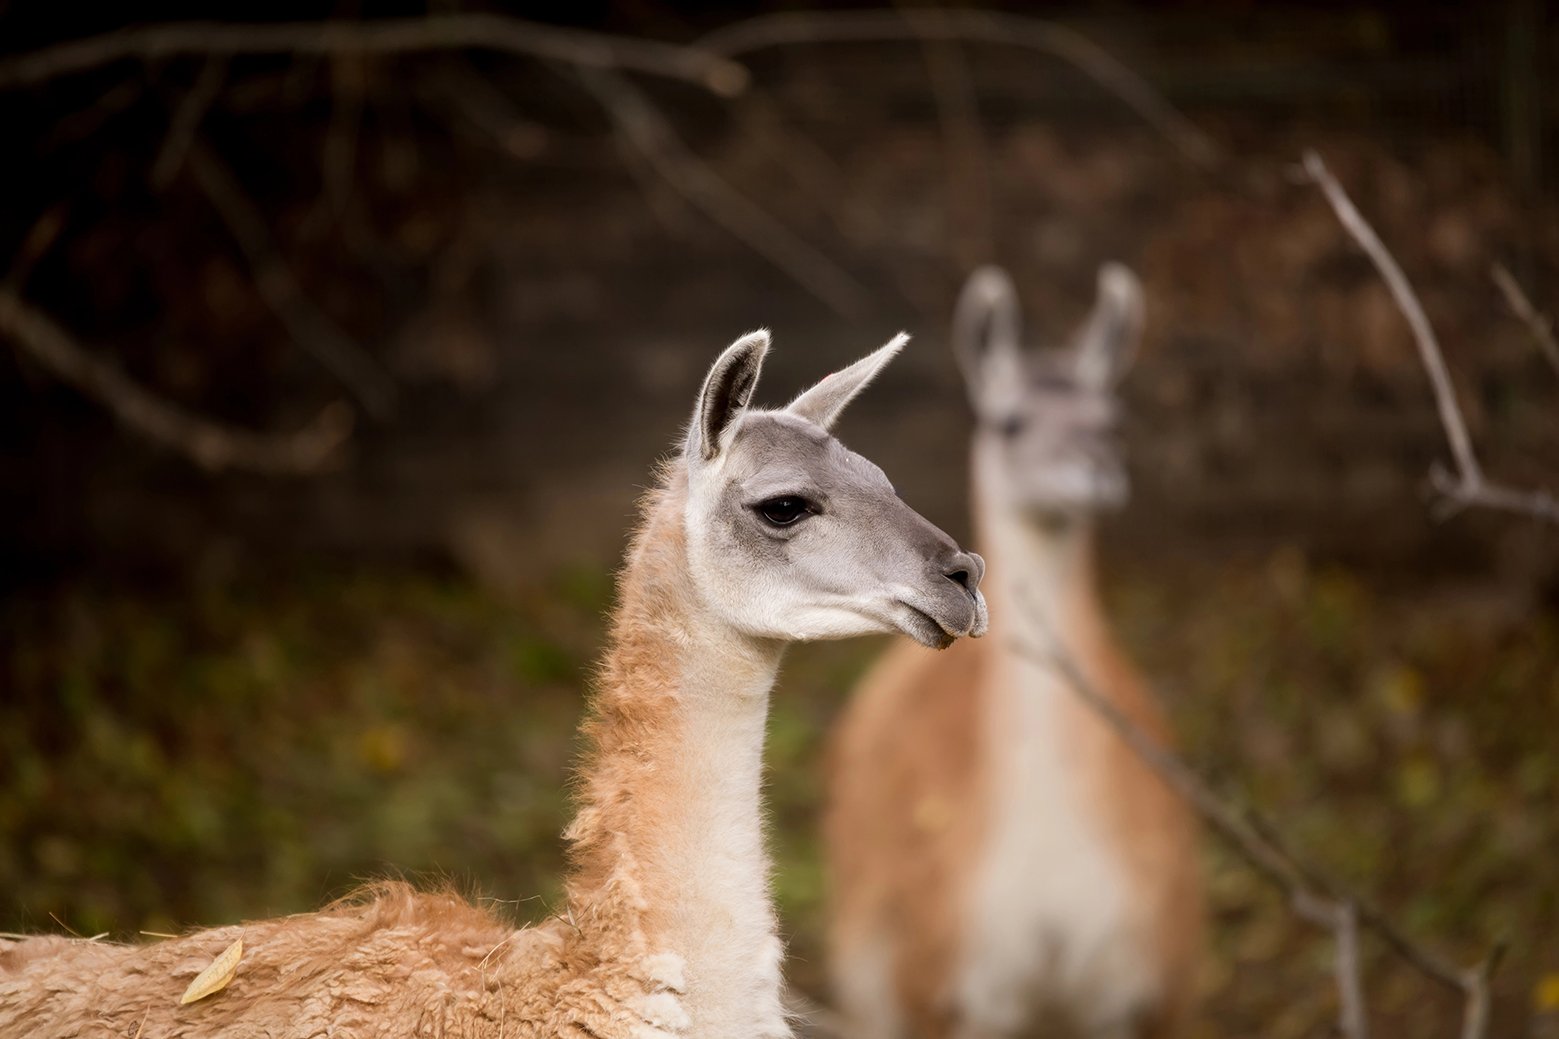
pixel 229 694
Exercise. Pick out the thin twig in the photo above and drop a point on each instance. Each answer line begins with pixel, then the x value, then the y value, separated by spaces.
pixel 186 119
pixel 1466 486
pixel 1315 898
pixel 644 127
pixel 310 328
pixel 968 173
pixel 814 172
pixel 211 445
pixel 802 27
pixel 476 101
pixel 1540 324
pixel 473 31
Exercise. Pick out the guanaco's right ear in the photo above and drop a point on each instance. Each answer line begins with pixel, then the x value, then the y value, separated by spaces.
pixel 727 390
pixel 1108 340
pixel 986 329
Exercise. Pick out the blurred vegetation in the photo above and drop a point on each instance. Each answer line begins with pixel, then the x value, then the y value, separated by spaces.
pixel 220 750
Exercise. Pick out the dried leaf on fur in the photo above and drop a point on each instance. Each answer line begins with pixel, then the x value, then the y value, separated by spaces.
pixel 215 977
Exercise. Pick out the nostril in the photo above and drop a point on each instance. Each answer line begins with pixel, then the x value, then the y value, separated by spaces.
pixel 966 570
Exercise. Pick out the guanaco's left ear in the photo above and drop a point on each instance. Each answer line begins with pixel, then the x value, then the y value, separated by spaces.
pixel 824 402
pixel 1108 341
pixel 727 391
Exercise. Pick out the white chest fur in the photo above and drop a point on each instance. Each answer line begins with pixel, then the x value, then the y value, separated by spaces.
pixel 1049 912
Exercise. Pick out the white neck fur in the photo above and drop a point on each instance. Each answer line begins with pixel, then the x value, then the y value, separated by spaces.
pixel 717 866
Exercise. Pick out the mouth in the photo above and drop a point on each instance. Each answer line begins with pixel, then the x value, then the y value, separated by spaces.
pixel 937 630
pixel 924 629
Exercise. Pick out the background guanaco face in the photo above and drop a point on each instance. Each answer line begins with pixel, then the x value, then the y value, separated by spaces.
pixel 1047 419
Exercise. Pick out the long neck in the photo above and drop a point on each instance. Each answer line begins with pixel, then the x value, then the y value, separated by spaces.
pixel 1042 580
pixel 670 796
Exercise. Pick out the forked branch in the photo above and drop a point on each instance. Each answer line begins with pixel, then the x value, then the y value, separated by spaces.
pixel 1465 486
pixel 211 445
pixel 474 31
pixel 1312 896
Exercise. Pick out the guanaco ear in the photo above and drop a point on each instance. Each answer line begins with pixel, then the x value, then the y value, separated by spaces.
pixel 824 402
pixel 1108 341
pixel 727 390
pixel 987 330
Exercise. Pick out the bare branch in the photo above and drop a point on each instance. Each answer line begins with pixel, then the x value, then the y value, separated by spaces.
pixel 209 444
pixel 1407 301
pixel 650 133
pixel 186 119
pixel 1467 486
pixel 385 36
pixel 796 27
pixel 312 330
pixel 1314 898
pixel 1540 324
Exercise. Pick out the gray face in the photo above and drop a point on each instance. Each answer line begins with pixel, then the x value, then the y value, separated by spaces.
pixel 1047 420
pixel 792 535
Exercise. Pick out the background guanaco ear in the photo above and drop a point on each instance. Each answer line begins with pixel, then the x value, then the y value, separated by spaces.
pixel 727 390
pixel 1108 341
pixel 824 402
pixel 987 329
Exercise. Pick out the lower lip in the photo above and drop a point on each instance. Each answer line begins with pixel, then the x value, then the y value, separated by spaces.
pixel 943 635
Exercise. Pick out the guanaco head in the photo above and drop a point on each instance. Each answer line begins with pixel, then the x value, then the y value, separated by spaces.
pixel 1046 420
pixel 791 535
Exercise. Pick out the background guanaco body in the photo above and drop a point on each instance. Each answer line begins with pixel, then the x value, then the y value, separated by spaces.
pixel 1001 864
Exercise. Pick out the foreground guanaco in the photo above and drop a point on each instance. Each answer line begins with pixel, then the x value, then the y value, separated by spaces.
pixel 1001 865
pixel 763 530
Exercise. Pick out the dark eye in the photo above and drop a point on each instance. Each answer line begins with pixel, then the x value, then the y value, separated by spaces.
pixel 784 510
pixel 1010 426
